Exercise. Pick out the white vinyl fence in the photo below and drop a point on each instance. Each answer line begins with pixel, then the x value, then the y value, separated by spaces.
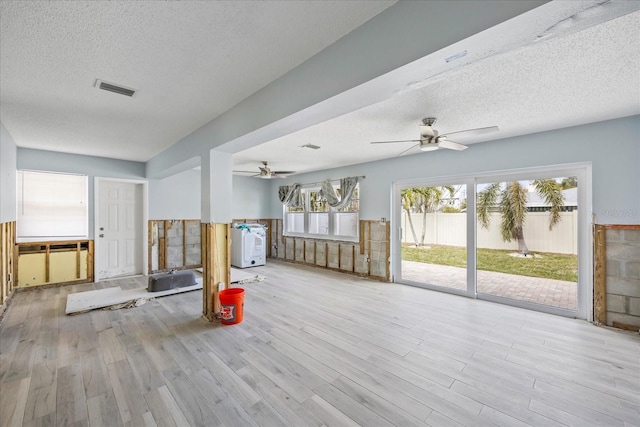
pixel 450 229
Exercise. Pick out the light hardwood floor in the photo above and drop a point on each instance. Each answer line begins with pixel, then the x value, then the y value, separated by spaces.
pixel 316 348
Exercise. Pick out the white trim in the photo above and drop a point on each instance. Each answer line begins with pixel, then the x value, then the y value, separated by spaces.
pixel 331 219
pixel 582 170
pixel 145 220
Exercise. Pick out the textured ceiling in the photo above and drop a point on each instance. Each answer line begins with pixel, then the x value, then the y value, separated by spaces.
pixel 190 61
pixel 563 64
pixel 573 73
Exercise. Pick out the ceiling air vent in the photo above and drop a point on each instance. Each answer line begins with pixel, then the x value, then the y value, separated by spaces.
pixel 115 88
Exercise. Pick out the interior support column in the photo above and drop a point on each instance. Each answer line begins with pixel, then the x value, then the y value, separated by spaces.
pixel 216 177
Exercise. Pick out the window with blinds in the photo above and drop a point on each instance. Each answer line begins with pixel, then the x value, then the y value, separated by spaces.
pixel 51 206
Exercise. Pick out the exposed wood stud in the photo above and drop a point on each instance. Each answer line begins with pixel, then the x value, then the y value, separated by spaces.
pixel 150 245
pixel 216 267
pixel 369 248
pixel 268 222
pixel 90 264
pixel 626 327
pixel 387 249
pixel 72 272
pixel 165 243
pixel 204 255
pixel 184 242
pixel 326 254
pixel 7 263
pixel 600 276
pixel 16 283
pixel 77 260
pixel 47 264
pixel 227 268
pixel 162 251
pixel 353 259
pixel 364 246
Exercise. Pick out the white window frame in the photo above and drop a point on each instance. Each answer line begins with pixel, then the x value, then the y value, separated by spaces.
pixel 51 207
pixel 330 235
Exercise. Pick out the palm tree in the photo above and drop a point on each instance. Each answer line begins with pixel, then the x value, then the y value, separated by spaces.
pixel 510 198
pixel 408 198
pixel 430 198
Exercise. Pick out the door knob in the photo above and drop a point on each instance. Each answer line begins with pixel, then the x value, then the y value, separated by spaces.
pixel 102 235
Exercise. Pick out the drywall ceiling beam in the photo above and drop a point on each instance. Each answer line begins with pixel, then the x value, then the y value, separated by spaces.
pixel 403 33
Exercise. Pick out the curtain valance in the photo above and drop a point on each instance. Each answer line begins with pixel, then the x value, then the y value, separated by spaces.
pixel 347 187
pixel 290 195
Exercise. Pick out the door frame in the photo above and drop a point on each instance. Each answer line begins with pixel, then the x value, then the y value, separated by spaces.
pixel 396 233
pixel 144 219
pixel 582 170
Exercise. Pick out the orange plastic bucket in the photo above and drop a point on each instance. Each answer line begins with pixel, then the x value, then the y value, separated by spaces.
pixel 232 302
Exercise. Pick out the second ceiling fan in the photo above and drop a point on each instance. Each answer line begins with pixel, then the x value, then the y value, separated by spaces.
pixel 265 172
pixel 431 139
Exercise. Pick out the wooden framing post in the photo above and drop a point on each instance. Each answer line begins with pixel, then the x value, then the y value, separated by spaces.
pixel 600 275
pixel 184 243
pixel 388 250
pixel 216 266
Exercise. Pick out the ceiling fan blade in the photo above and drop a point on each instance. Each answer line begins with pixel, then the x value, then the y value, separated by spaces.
pixel 445 143
pixel 393 142
pixel 408 149
pixel 427 131
pixel 244 171
pixel 471 132
pixel 282 172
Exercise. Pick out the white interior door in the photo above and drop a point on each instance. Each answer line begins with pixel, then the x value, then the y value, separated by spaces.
pixel 119 229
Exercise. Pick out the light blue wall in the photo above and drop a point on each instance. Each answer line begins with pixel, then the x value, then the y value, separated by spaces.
pixel 612 147
pixel 250 197
pixel 8 154
pixel 50 161
pixel 75 163
pixel 175 197
pixel 178 197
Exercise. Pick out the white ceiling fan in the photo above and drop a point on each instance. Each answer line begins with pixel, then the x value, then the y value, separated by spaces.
pixel 265 172
pixel 430 139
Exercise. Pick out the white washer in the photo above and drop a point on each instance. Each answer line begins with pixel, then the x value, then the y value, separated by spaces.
pixel 248 245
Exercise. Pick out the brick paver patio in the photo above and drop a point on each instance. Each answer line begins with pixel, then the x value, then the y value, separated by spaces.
pixel 555 293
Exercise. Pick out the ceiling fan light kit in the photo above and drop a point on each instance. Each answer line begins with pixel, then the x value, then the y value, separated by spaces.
pixel 429 146
pixel 431 140
pixel 265 172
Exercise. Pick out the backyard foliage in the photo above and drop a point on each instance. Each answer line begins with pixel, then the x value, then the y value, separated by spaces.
pixel 547 265
pixel 510 199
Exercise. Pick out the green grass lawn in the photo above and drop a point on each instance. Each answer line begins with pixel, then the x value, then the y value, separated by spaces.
pixel 548 265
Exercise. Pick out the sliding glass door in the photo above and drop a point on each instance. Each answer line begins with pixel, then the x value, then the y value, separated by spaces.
pixel 520 238
pixel 433 236
pixel 527 240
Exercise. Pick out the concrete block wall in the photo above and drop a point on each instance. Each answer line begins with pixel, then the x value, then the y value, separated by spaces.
pixel 372 261
pixel 174 244
pixel 623 276
pixel 175 251
pixel 193 248
pixel 379 248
